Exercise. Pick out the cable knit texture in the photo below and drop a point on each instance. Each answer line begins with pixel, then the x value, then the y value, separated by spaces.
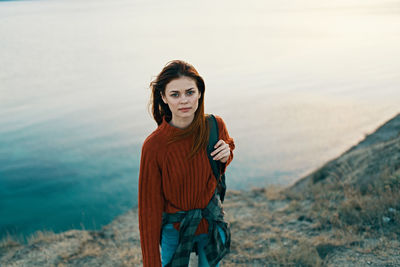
pixel 169 182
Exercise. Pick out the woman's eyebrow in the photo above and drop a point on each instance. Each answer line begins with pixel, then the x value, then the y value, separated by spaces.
pixel 173 91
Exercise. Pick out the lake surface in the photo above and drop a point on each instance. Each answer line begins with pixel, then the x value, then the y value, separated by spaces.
pixel 297 83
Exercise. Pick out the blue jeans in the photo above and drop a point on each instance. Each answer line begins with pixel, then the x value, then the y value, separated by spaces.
pixel 170 240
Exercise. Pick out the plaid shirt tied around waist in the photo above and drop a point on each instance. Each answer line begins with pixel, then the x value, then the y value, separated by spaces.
pixel 189 221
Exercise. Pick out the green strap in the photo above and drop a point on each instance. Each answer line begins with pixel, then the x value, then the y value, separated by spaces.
pixel 215 165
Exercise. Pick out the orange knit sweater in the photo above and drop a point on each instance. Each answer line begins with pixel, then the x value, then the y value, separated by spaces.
pixel 168 182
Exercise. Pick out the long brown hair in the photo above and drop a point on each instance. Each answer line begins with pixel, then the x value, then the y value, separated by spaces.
pixel 173 70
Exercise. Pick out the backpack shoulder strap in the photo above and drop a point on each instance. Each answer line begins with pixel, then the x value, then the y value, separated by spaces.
pixel 215 165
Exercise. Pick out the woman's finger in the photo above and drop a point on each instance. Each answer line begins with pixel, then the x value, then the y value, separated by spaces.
pixel 223 151
pixel 223 158
pixel 217 151
pixel 219 143
pixel 219 146
pixel 220 151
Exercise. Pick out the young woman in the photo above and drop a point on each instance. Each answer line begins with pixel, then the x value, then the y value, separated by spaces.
pixel 178 204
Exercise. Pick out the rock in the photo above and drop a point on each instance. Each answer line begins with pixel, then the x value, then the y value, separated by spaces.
pixel 392 210
pixel 304 218
pixel 385 219
pixel 324 249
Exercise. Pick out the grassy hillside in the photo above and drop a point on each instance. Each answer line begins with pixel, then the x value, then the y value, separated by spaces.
pixel 360 189
pixel 346 213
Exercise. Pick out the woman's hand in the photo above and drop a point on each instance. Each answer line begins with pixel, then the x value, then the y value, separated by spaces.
pixel 222 151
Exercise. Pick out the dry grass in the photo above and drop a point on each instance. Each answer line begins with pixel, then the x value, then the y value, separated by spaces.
pixel 42 236
pixel 274 192
pixel 9 242
pixel 345 207
pixel 274 248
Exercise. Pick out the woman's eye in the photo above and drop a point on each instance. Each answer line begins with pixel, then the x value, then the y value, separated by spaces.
pixel 190 93
pixel 174 95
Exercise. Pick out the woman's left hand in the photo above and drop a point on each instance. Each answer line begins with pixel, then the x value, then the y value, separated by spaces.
pixel 222 151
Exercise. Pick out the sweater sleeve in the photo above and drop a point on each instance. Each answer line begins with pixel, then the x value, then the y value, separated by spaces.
pixel 151 203
pixel 224 135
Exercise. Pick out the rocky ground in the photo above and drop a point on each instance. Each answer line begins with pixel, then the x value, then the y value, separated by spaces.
pixel 347 213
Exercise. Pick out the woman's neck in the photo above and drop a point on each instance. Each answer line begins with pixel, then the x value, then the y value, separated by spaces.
pixel 181 123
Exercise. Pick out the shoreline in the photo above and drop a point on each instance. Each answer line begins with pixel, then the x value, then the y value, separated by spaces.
pixel 345 213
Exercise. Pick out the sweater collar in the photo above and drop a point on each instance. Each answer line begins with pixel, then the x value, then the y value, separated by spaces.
pixel 168 128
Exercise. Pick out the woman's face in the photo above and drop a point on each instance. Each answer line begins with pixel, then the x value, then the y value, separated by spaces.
pixel 182 97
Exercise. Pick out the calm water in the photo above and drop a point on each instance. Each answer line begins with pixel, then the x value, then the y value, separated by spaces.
pixel 297 83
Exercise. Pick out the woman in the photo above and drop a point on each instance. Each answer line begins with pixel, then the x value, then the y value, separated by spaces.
pixel 177 187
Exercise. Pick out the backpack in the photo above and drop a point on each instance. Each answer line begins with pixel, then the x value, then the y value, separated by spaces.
pixel 215 165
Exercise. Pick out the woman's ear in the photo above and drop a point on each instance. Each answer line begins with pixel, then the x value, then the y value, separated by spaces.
pixel 164 99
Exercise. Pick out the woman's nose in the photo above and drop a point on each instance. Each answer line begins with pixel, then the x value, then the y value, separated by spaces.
pixel 184 99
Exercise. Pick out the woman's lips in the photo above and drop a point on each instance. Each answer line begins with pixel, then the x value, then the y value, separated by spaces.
pixel 184 109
